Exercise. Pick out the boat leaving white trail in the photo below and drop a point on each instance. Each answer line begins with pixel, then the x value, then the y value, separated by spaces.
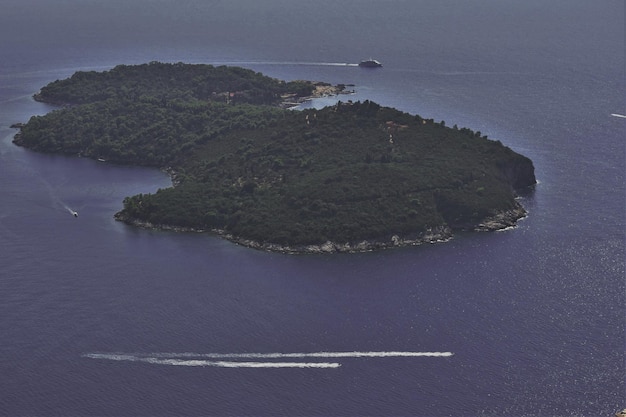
pixel 618 115
pixel 199 362
pixel 72 212
pixel 304 63
pixel 213 359
pixel 278 355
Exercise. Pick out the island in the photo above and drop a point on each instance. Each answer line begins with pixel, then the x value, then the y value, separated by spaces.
pixel 351 177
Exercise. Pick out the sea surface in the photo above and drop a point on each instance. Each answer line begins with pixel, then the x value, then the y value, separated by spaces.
pixel 101 319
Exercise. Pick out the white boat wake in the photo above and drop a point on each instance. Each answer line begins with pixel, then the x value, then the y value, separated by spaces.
pixel 279 355
pixel 324 64
pixel 241 360
pixel 618 115
pixel 199 362
pixel 72 212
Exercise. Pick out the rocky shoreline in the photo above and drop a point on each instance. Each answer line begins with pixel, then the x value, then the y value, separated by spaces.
pixel 500 221
pixel 321 90
pixel 434 235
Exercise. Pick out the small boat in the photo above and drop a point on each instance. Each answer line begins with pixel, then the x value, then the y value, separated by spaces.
pixel 370 63
pixel 75 213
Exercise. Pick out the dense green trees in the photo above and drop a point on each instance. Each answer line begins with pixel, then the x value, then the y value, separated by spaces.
pixel 160 83
pixel 345 173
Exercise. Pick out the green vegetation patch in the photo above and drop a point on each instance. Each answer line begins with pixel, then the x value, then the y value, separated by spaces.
pixel 245 166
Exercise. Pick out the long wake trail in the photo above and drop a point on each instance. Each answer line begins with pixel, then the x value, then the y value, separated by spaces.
pixel 68 208
pixel 199 362
pixel 278 355
pixel 256 360
pixel 54 197
pixel 303 63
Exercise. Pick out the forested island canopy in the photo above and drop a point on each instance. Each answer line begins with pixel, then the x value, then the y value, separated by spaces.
pixel 354 173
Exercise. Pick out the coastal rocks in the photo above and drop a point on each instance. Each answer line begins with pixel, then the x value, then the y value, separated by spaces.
pixel 432 235
pixel 329 247
pixel 501 220
pixel 321 90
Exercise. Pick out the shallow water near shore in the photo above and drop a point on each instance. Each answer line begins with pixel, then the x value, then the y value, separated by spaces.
pixel 98 318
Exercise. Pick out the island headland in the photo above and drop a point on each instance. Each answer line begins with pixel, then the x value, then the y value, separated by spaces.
pixel 351 177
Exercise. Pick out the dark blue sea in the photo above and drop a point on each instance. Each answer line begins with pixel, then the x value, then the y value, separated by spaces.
pixel 101 319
